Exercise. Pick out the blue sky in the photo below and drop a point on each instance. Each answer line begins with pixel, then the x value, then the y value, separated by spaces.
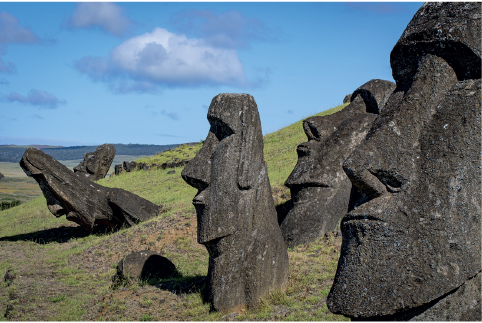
pixel 94 73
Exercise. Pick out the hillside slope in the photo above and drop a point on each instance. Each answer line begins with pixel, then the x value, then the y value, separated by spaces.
pixel 64 274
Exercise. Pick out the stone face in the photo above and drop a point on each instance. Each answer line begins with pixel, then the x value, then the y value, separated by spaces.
pixel 320 189
pixel 81 200
pixel 96 164
pixel 414 236
pixel 145 264
pixel 237 220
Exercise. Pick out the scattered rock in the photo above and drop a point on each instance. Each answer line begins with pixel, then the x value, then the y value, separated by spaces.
pixel 144 265
pixel 82 201
pixel 8 311
pixel 130 166
pixel 96 164
pixel 320 190
pixel 347 98
pixel 171 172
pixel 237 219
pixel 414 238
pixel 9 277
pixel 118 169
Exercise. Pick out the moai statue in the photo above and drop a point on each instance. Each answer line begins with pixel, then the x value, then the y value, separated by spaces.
pixel 237 219
pixel 412 243
pixel 320 190
pixel 96 164
pixel 80 200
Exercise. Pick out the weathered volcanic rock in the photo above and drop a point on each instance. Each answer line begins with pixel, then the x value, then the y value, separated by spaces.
pixel 118 169
pixel 319 188
pixel 347 98
pixel 81 200
pixel 144 265
pixel 237 220
pixel 414 238
pixel 130 166
pixel 96 164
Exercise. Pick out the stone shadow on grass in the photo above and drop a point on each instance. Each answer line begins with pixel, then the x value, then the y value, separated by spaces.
pixel 60 235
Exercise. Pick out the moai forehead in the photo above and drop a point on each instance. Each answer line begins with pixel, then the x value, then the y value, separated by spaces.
pixel 450 30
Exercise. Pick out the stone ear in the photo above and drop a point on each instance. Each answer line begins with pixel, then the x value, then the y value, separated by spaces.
pixel 251 147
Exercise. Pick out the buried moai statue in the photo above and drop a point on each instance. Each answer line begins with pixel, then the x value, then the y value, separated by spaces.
pixel 96 164
pixel 319 187
pixel 237 219
pixel 82 201
pixel 412 243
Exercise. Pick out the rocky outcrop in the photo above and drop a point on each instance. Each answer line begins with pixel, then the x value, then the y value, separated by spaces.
pixel 96 164
pixel 82 201
pixel 145 265
pixel 320 190
pixel 412 242
pixel 131 166
pixel 237 219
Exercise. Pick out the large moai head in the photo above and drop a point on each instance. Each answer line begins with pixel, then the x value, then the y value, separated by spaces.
pixel 235 209
pixel 80 200
pixel 320 189
pixel 96 164
pixel 414 236
pixel 229 164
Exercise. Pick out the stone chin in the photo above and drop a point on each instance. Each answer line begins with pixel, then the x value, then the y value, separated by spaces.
pixel 391 262
pixel 312 206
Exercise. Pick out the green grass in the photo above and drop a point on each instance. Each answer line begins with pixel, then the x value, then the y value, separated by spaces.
pixel 67 275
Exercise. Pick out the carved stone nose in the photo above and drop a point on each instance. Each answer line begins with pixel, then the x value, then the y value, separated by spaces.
pixel 361 177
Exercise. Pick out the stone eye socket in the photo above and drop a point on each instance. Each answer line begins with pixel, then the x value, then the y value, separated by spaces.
pixel 219 128
pixel 303 150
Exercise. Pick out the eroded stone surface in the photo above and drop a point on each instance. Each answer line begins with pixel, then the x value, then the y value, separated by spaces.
pixel 81 200
pixel 144 265
pixel 414 235
pixel 96 164
pixel 319 187
pixel 237 219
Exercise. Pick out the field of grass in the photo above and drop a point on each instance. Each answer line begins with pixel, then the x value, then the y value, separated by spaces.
pixel 63 273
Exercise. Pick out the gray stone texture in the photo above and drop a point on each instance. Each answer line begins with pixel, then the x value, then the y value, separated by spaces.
pixel 413 237
pixel 320 189
pixel 81 200
pixel 144 265
pixel 237 220
pixel 96 164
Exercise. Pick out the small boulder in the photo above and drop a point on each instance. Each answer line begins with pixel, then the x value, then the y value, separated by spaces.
pixel 145 264
pixel 130 166
pixel 171 171
pixel 118 169
pixel 347 98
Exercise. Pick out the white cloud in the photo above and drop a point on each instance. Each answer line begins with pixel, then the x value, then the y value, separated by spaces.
pixel 37 98
pixel 162 58
pixel 105 15
pixel 12 33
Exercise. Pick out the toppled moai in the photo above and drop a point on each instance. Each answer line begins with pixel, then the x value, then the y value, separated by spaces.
pixel 237 220
pixel 80 200
pixel 412 243
pixel 320 189
pixel 96 164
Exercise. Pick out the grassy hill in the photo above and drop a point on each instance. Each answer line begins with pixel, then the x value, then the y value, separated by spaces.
pixel 64 274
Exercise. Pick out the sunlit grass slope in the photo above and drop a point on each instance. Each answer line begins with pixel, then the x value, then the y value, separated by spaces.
pixel 80 267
